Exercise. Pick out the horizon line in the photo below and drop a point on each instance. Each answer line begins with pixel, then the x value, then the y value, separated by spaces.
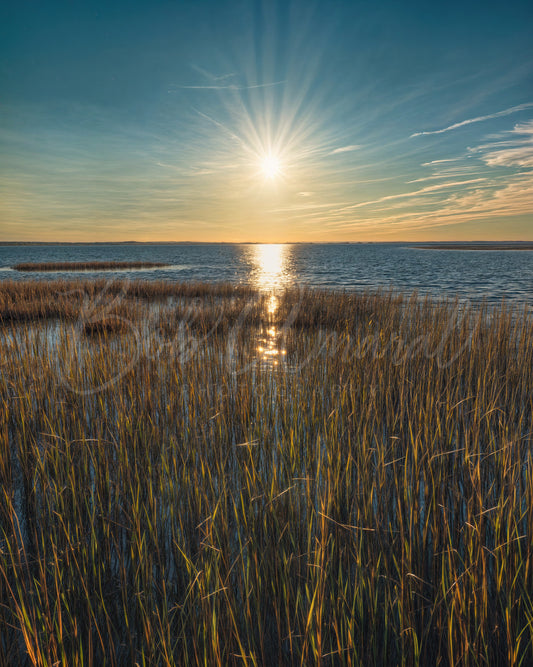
pixel 131 242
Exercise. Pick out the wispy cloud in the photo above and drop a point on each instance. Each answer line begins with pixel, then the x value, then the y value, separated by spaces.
pixel 221 82
pixel 212 77
pixel 517 152
pixel 308 207
pixel 502 196
pixel 430 164
pixel 478 119
pixel 455 172
pixel 345 149
pixel 231 86
pixel 512 157
pixel 510 198
pixel 423 191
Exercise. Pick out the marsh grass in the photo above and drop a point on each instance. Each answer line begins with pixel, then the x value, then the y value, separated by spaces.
pixel 84 266
pixel 69 300
pixel 366 501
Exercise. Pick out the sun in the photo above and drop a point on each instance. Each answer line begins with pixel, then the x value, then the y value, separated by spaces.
pixel 271 166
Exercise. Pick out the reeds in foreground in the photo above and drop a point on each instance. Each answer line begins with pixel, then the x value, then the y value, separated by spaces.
pixel 168 497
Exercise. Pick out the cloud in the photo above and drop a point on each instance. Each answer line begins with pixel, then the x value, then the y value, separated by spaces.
pixel 222 82
pixel 437 177
pixel 307 207
pixel 345 149
pixel 478 119
pixel 512 157
pixel 210 76
pixel 231 86
pixel 456 171
pixel 466 197
pixel 450 159
pixel 423 191
pixel 517 152
pixel 511 198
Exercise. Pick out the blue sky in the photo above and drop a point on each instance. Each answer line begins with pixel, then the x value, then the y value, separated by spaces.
pixel 153 121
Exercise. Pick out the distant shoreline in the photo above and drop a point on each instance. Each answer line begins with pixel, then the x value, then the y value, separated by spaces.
pixel 425 245
pixel 477 246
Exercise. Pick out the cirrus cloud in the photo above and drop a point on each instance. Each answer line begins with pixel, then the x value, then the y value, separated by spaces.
pixel 478 119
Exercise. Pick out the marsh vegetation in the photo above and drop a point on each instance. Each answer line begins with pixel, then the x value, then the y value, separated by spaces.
pixel 85 266
pixel 235 477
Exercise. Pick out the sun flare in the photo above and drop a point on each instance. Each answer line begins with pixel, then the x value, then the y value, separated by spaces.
pixel 271 166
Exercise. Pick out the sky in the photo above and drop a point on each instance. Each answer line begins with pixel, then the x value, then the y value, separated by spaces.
pixel 266 121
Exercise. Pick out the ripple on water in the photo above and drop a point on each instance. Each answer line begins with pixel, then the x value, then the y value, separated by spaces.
pixel 476 275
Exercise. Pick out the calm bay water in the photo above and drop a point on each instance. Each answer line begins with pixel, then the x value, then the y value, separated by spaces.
pixel 473 275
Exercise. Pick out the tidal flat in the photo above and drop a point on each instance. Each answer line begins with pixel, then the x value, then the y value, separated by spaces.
pixel 219 475
pixel 478 246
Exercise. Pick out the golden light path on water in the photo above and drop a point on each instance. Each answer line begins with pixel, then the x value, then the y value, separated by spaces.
pixel 270 266
pixel 271 273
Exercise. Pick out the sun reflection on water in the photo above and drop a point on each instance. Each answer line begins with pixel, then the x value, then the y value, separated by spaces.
pixel 271 274
pixel 270 266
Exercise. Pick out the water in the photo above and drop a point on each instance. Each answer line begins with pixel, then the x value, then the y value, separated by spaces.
pixel 469 275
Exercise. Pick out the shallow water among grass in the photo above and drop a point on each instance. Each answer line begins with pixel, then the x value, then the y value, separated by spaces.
pixel 172 495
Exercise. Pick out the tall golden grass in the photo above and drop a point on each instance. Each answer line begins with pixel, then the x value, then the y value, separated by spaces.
pixel 30 300
pixel 168 497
